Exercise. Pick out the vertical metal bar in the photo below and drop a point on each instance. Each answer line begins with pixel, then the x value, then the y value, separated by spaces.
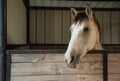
pixel 110 28
pixel 8 66
pixel 35 26
pixel 28 23
pixel 105 66
pixel 2 42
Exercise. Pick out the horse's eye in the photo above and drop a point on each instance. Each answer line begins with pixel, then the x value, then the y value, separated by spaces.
pixel 86 29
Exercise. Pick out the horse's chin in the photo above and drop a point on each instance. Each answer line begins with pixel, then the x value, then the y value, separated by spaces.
pixel 72 66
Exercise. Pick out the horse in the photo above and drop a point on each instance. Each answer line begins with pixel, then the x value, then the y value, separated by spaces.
pixel 85 36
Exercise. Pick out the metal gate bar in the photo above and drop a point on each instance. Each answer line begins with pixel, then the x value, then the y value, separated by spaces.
pixel 105 66
pixel 8 66
pixel 2 39
pixel 104 52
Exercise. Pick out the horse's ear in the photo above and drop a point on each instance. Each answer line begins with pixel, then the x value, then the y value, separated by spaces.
pixel 73 12
pixel 89 12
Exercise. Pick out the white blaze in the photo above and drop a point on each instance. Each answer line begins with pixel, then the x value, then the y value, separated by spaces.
pixel 77 29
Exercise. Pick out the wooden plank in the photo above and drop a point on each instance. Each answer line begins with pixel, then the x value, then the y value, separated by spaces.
pixel 114 57
pixel 114 27
pixel 51 58
pixel 111 77
pixel 49 27
pixel 36 58
pixel 57 27
pixel 25 69
pixel 26 58
pixel 65 26
pixel 106 27
pixel 114 67
pixel 58 78
pixel 55 68
pixel 32 26
pixel 40 27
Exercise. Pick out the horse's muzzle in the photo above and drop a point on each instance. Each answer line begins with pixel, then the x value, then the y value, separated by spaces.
pixel 73 61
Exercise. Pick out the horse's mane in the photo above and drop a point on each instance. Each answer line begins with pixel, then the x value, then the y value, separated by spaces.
pixel 82 16
pixel 98 25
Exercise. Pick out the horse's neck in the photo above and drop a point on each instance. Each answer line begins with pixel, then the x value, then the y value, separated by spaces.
pixel 98 46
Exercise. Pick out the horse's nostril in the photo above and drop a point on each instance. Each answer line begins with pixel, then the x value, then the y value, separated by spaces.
pixel 72 58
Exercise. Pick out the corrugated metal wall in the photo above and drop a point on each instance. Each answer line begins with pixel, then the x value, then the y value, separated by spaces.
pixel 52 26
pixel 49 27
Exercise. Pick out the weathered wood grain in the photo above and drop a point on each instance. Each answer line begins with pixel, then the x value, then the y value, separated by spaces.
pixel 50 58
pixel 98 77
pixel 55 68
pixel 32 58
pixel 58 78
pixel 114 77
pixel 61 68
pixel 114 57
pixel 51 67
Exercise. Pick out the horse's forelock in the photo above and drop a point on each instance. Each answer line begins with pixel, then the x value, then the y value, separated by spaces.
pixel 81 17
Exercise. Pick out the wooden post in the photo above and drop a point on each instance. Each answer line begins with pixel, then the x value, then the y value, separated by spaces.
pixel 2 41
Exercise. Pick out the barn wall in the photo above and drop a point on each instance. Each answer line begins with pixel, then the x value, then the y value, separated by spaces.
pixel 51 67
pixel 49 26
pixel 16 22
pixel 52 26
